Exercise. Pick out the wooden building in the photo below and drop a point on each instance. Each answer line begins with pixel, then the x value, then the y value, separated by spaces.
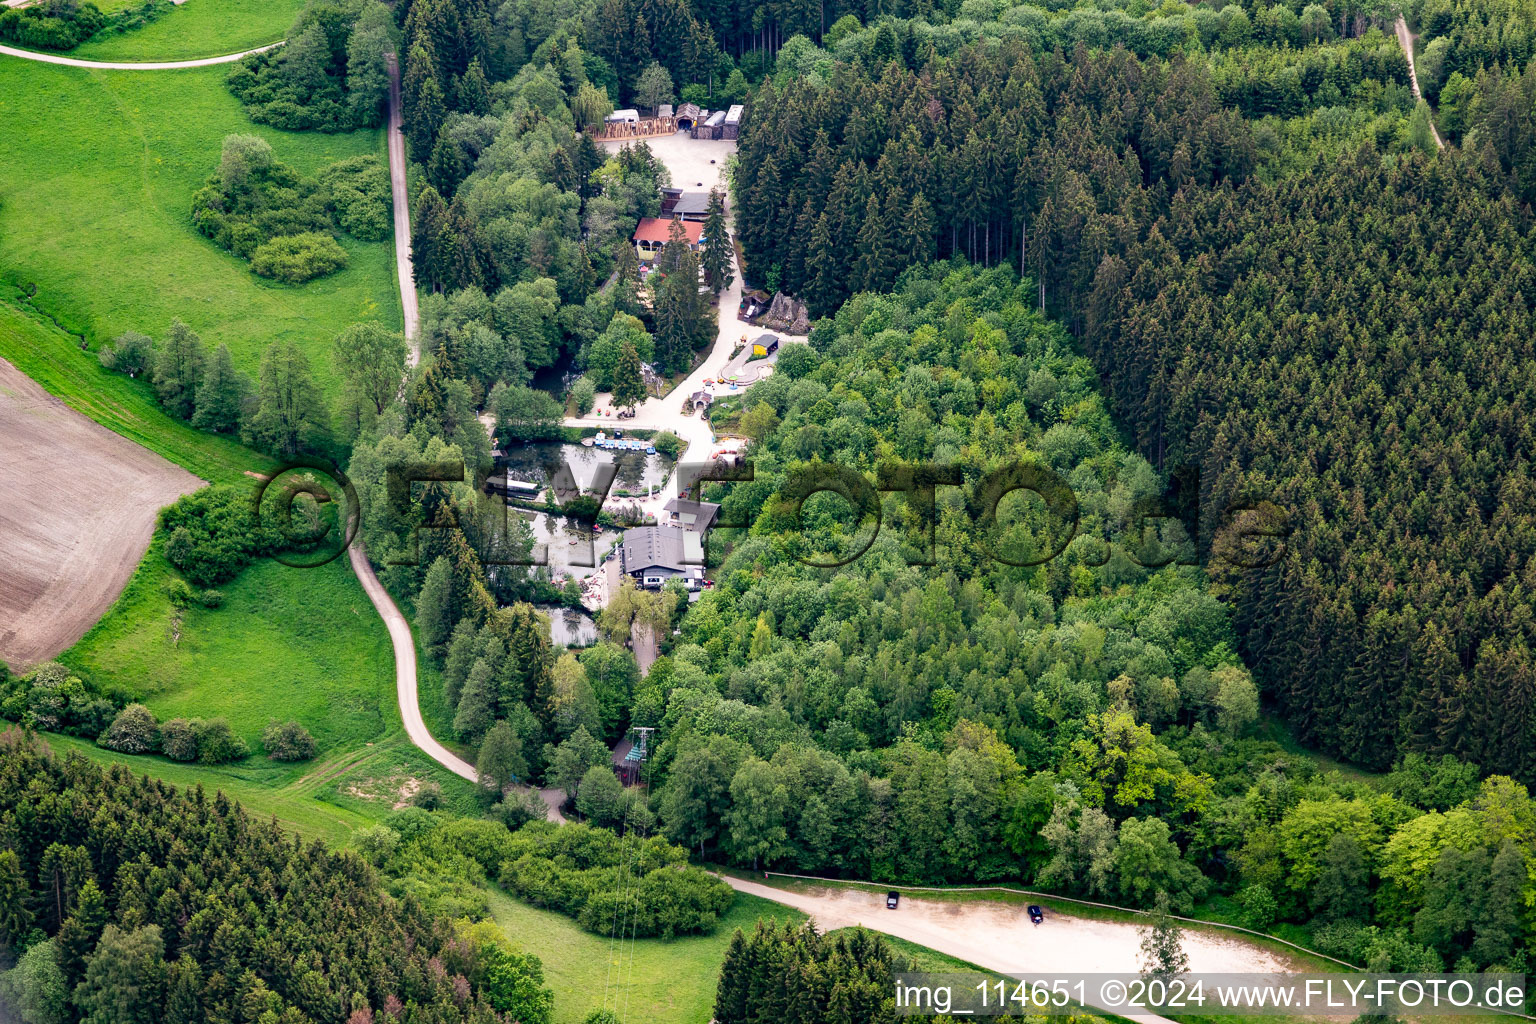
pixel 731 127
pixel 653 233
pixel 687 116
pixel 712 127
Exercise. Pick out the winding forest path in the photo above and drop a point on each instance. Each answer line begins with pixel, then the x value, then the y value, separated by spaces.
pixel 1405 40
pixel 397 187
pixel 405 668
pixel 161 65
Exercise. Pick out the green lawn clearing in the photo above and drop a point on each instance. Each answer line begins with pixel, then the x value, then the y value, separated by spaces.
pixel 288 643
pixel 659 982
pixel 197 28
pixel 53 359
pixel 95 213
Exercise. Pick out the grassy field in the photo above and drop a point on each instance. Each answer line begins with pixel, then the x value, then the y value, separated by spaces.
pixel 288 643
pixel 95 213
pixel 197 28
pixel 122 405
pixel 664 982
pixel 316 799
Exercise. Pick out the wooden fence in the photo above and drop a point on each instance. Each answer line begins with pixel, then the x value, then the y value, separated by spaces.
pixel 646 128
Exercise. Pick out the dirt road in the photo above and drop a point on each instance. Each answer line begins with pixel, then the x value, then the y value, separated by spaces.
pixel 162 65
pixel 999 936
pixel 1405 40
pixel 397 188
pixel 79 512
pixel 405 668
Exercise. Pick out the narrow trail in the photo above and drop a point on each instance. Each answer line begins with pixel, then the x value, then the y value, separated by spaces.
pixel 160 65
pixel 1405 40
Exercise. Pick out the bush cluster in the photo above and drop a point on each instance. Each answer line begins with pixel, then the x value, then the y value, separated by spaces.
pixel 575 869
pixel 214 534
pixel 207 741
pixel 295 259
pixel 52 698
pixel 51 25
pixel 356 193
pixel 284 223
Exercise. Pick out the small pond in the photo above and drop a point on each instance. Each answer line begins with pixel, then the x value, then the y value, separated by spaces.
pixel 570 627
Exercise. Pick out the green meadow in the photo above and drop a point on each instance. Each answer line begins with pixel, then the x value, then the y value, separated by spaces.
pixel 197 28
pixel 288 643
pixel 95 213
pixel 660 982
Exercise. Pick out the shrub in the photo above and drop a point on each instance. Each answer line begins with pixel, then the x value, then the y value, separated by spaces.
pixel 583 393
pixel 376 844
pixel 218 744
pixel 133 731
pixel 129 352
pixel 209 742
pixel 178 740
pixel 669 444
pixel 519 807
pixel 429 797
pixel 177 589
pixel 295 259
pixel 288 741
pixel 210 598
pixel 1259 907
pixel 357 194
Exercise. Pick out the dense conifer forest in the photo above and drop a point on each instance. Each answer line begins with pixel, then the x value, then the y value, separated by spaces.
pixel 138 903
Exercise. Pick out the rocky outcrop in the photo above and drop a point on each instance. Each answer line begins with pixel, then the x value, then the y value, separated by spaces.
pixel 787 315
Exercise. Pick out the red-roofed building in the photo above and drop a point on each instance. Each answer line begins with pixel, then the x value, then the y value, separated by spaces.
pixel 653 233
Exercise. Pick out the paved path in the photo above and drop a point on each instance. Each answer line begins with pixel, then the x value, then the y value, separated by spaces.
pixel 999 937
pixel 163 65
pixel 1405 40
pixel 397 187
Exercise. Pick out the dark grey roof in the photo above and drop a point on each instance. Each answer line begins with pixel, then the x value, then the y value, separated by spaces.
pixel 665 110
pixel 693 515
pixel 691 202
pixel 688 110
pixel 645 546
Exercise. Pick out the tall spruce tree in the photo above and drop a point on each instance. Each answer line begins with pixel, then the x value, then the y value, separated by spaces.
pixel 628 382
pixel 717 245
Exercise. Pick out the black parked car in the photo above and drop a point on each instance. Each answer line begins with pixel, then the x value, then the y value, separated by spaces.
pixel 891 899
pixel 1036 914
